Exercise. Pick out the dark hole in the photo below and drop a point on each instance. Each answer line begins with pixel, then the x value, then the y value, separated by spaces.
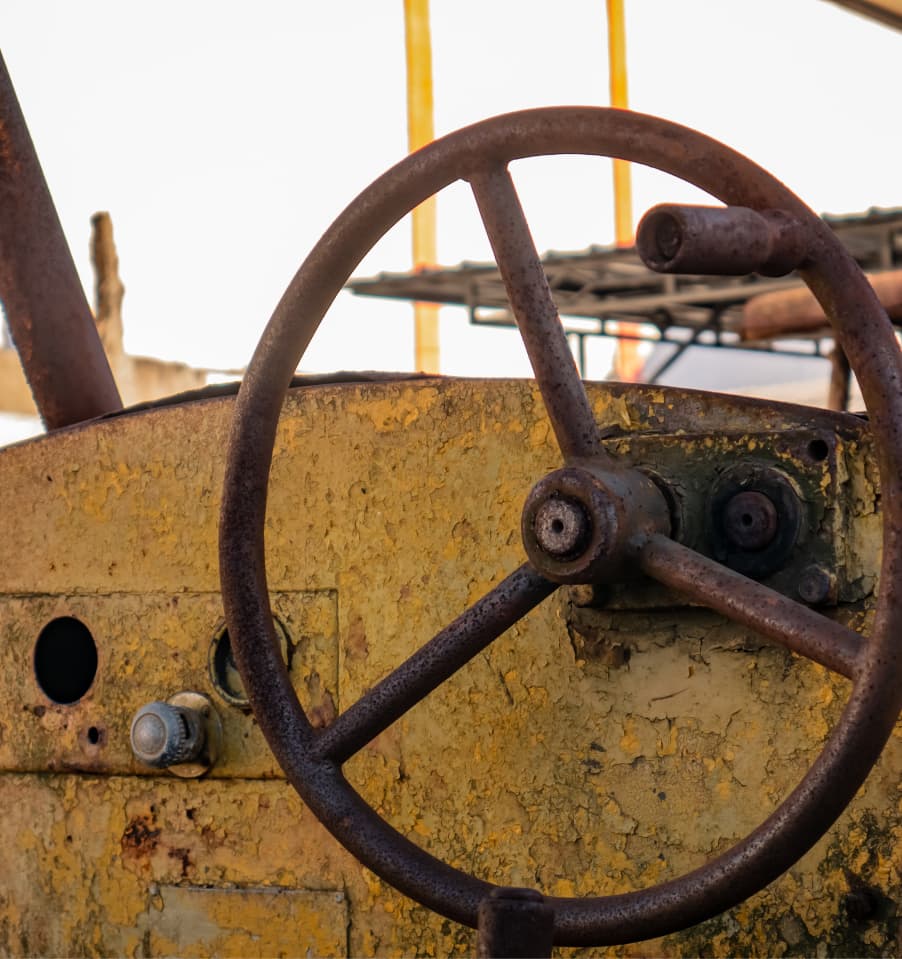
pixel 747 519
pixel 65 660
pixel 93 735
pixel 224 671
pixel 557 526
pixel 818 450
pixel 861 904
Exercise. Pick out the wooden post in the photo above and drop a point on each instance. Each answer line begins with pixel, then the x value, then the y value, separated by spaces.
pixel 108 287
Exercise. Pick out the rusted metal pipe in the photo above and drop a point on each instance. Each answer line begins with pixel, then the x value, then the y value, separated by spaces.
pixel 767 612
pixel 537 318
pixel 722 241
pixel 46 308
pixel 433 663
pixel 788 312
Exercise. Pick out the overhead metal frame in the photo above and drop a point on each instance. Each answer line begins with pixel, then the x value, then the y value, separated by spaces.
pixel 597 288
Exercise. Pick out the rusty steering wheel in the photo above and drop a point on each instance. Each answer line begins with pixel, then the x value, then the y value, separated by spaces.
pixel 589 521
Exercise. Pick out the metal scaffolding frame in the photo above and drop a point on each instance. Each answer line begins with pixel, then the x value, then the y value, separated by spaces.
pixel 600 287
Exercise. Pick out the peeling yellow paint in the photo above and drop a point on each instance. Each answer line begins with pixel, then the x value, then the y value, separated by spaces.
pixel 392 507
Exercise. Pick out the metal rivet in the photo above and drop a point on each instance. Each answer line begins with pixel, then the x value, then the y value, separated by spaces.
pixel 816 585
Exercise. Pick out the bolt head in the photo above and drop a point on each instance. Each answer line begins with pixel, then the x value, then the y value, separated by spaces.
pixel 750 520
pixel 816 585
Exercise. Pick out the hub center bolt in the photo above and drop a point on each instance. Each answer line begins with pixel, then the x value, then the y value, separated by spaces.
pixel 562 527
pixel 751 520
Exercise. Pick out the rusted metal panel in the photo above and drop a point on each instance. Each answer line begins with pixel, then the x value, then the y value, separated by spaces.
pixel 539 763
pixel 149 646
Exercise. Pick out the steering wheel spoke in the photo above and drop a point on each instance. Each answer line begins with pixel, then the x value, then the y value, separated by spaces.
pixel 537 317
pixel 433 663
pixel 749 603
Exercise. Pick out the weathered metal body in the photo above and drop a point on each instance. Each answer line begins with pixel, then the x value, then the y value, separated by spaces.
pixel 601 745
pixel 115 650
pixel 598 521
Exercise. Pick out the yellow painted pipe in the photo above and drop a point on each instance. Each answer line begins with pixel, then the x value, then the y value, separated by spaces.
pixel 623 199
pixel 420 131
pixel 628 360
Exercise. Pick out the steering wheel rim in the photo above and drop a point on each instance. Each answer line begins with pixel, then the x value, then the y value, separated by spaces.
pixel 866 336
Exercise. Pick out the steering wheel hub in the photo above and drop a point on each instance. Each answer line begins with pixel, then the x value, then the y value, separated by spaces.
pixel 581 523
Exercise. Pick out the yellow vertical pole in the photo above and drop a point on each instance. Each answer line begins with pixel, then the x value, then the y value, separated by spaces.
pixel 627 360
pixel 623 195
pixel 420 131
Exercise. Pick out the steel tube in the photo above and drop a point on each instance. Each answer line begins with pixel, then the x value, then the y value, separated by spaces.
pixel 749 603
pixel 537 317
pixel 514 923
pixel 48 315
pixel 721 241
pixel 433 663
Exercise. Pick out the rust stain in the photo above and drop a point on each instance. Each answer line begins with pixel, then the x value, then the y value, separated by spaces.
pixel 356 645
pixel 141 837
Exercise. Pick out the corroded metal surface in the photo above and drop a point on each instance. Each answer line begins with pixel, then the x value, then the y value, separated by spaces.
pixel 45 305
pixel 480 154
pixel 537 764
pixel 432 664
pixel 535 312
pixel 788 312
pixel 720 241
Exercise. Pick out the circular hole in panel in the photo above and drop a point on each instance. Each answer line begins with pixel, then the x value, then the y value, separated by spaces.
pixel 224 671
pixel 65 660
pixel 93 735
pixel 818 450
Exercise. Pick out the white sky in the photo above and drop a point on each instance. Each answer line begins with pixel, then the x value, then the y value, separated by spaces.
pixel 223 137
